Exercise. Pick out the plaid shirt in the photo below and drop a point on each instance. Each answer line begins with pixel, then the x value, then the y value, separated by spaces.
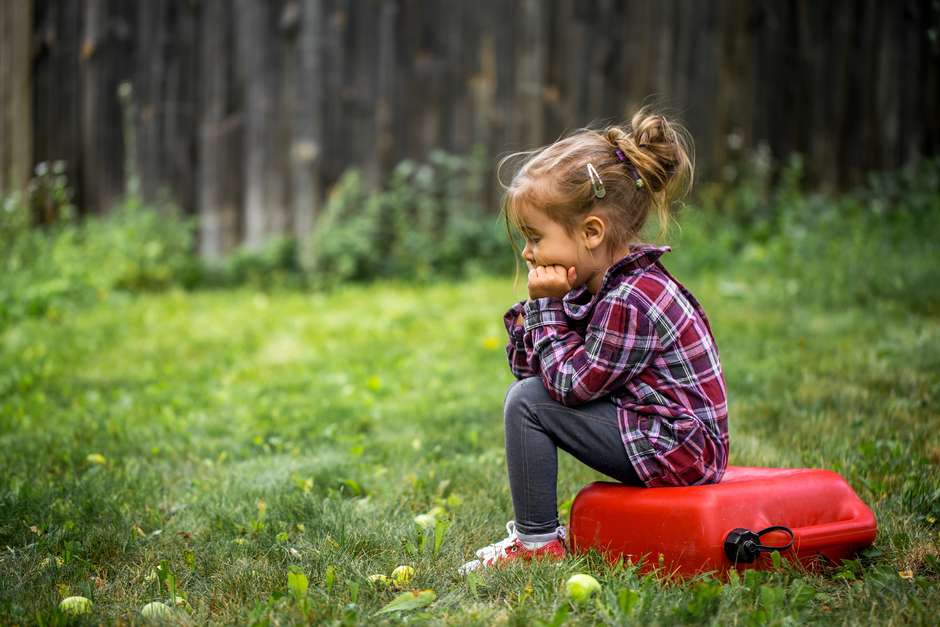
pixel 644 340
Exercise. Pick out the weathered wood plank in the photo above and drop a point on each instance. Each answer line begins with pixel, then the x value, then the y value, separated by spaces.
pixel 16 145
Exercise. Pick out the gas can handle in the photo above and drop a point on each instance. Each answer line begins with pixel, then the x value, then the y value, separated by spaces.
pixel 743 545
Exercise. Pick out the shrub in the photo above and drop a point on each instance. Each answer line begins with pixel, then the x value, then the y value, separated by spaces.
pixel 274 264
pixel 872 244
pixel 427 223
pixel 136 247
pixel 345 243
pixel 66 262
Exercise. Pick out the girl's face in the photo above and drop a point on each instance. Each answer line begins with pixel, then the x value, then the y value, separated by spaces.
pixel 547 243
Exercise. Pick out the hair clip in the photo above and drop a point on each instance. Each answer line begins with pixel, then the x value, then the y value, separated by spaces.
pixel 596 181
pixel 622 158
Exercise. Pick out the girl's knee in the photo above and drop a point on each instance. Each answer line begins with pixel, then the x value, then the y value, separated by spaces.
pixel 522 393
pixel 509 390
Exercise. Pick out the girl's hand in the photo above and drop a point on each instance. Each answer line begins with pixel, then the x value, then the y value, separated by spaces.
pixel 551 281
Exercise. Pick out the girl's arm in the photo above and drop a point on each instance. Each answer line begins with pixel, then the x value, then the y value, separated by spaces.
pixel 519 356
pixel 619 343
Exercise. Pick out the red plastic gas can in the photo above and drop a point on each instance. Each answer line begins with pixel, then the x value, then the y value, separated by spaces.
pixel 686 529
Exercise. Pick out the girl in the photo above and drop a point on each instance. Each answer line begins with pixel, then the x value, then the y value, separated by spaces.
pixel 615 360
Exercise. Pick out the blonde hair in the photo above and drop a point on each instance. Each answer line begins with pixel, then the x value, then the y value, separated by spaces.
pixel 555 180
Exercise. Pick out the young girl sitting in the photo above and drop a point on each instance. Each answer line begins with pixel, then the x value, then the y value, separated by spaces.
pixel 615 360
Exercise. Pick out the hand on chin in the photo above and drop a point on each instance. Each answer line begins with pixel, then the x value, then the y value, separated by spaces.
pixel 554 280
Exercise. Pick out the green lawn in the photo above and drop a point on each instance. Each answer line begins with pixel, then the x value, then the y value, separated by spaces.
pixel 244 436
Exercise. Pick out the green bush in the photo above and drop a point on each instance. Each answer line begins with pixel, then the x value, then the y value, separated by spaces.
pixel 137 247
pixel 49 194
pixel 874 243
pixel 744 195
pixel 66 261
pixel 440 225
pixel 273 264
pixel 345 243
pixel 427 223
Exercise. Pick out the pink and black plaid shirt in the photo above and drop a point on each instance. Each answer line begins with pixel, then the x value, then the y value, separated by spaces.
pixel 644 340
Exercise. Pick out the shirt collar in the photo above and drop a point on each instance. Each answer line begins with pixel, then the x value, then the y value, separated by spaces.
pixel 580 302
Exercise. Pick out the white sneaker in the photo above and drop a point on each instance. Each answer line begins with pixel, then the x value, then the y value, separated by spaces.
pixel 512 547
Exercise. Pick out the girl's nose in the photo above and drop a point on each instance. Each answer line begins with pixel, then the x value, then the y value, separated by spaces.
pixel 527 254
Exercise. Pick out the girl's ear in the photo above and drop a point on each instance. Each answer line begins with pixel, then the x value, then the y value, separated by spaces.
pixel 594 230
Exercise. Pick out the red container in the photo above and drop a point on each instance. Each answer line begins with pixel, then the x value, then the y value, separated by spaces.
pixel 689 526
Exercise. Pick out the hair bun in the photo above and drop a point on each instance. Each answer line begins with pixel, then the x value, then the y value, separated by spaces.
pixel 657 148
pixel 647 129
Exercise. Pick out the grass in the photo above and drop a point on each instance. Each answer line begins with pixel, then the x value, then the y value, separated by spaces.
pixel 216 442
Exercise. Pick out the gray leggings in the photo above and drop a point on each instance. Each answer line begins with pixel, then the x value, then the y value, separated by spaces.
pixel 536 425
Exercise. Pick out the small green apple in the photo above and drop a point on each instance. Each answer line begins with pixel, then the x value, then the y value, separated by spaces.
pixel 75 605
pixel 156 610
pixel 402 575
pixel 580 587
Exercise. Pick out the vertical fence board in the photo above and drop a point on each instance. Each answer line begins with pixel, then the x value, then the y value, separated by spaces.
pixel 219 162
pixel 16 145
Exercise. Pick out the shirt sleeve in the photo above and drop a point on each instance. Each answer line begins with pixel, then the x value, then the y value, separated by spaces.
pixel 620 341
pixel 517 352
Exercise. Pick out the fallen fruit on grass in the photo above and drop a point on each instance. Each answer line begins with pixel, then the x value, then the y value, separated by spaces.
pixel 402 575
pixel 580 587
pixel 155 609
pixel 49 561
pixel 379 579
pixel 75 605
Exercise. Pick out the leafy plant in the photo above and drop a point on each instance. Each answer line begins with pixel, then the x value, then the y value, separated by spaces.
pixel 136 247
pixel 427 223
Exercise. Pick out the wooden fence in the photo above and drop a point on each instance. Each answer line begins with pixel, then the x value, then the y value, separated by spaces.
pixel 246 111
